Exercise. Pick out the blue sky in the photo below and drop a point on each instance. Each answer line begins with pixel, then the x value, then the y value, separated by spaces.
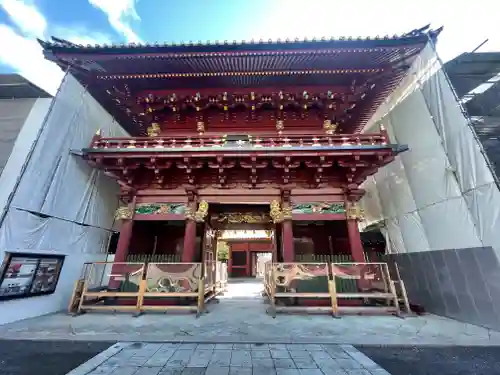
pixel 121 21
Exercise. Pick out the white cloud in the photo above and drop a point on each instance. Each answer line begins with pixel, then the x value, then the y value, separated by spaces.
pixel 25 55
pixel 79 35
pixel 22 52
pixel 120 13
pixel 25 16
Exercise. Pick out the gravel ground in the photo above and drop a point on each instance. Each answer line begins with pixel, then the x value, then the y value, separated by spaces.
pixel 46 357
pixel 455 360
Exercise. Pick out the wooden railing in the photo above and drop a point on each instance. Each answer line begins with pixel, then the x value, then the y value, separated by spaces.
pixel 263 140
pixel 373 287
pixel 140 287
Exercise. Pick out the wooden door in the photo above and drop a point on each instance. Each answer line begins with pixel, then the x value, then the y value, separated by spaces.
pixel 240 260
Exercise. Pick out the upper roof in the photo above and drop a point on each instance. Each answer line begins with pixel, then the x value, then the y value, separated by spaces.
pixel 136 69
pixel 15 86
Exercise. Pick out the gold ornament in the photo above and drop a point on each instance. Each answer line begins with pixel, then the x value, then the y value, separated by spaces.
pixel 280 126
pixel 329 127
pixel 279 215
pixel 200 127
pixel 154 130
pixel 355 213
pixel 123 213
pixel 200 214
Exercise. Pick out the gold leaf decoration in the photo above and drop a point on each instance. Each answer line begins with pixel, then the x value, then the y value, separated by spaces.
pixel 123 213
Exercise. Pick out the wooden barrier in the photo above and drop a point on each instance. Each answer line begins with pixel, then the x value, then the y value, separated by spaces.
pixel 373 284
pixel 372 287
pixel 296 280
pixel 140 287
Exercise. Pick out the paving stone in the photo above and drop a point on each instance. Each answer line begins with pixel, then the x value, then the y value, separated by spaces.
pixel 160 358
pixel 217 370
pixel 299 354
pixel 336 351
pixel 304 363
pixel 174 345
pixel 223 346
pixel 277 346
pixel 259 346
pixel 379 371
pixel 241 358
pixel 200 358
pixel 260 354
pixel 264 371
pixel 349 364
pixel 314 371
pixel 180 358
pixel 187 345
pixel 283 363
pixel 103 371
pixel 280 354
pixel 148 371
pixel 359 372
pixel 287 371
pixel 241 346
pixel 328 364
pixel 263 363
pixel 320 356
pixel 221 358
pixel 296 347
pixel 125 370
pixel 363 360
pixel 206 347
pixel 194 371
pixel 240 371
pixel 170 371
pixel 313 347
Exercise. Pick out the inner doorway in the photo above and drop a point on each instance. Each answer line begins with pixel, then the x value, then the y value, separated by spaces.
pixel 247 251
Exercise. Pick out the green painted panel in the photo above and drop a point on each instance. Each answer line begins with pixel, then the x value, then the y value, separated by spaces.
pixel 160 208
pixel 318 208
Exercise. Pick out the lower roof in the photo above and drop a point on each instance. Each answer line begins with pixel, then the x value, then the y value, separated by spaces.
pixel 15 86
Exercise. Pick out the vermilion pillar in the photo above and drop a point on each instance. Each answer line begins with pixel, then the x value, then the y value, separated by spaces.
pixel 122 247
pixel 287 241
pixel 352 216
pixel 188 252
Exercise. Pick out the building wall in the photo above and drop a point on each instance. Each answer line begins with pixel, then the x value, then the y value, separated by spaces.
pixel 20 123
pixel 61 205
pixel 438 201
pixel 13 115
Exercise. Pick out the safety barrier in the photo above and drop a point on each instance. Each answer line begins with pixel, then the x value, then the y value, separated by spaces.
pixel 141 287
pixel 373 288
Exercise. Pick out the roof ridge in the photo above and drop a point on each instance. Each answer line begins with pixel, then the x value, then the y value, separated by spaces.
pixel 58 42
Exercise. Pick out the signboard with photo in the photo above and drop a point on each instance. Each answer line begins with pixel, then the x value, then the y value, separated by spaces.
pixel 27 275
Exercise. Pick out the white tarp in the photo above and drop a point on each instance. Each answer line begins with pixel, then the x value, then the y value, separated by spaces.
pixel 440 194
pixel 60 184
pixel 62 205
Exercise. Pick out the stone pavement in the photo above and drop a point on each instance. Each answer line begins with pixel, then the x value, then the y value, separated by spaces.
pixel 230 359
